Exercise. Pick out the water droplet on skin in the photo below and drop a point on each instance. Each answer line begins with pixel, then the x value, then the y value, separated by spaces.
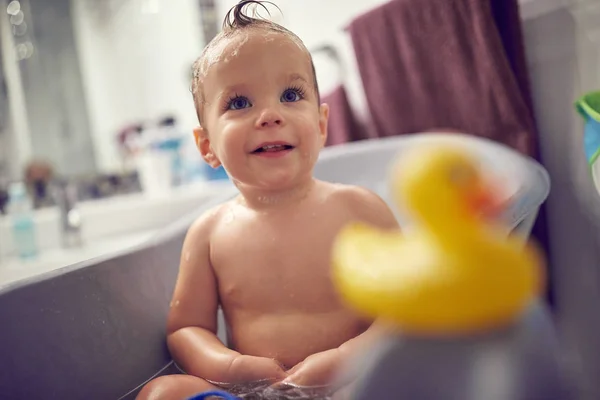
pixel 187 257
pixel 229 217
pixel 269 199
pixel 314 214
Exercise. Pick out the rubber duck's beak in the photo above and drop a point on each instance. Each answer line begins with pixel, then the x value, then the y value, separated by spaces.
pixel 488 201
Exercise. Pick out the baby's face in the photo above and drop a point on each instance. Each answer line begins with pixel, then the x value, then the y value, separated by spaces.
pixel 262 120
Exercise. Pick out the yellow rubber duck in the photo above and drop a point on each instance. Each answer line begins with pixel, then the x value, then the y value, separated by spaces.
pixel 455 273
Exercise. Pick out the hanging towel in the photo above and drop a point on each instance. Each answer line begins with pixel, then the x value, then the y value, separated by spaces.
pixel 458 64
pixel 343 125
pixel 439 63
pixel 508 23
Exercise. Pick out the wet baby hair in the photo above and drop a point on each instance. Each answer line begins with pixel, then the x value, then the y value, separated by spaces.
pixel 241 17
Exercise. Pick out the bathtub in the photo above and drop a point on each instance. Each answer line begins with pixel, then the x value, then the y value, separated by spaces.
pixel 96 329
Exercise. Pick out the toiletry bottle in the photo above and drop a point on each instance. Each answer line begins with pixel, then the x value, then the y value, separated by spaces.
pixel 171 139
pixel 22 221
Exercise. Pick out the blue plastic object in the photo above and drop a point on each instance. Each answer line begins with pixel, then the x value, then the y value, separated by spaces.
pixel 589 108
pixel 214 393
pixel 168 144
pixel 213 174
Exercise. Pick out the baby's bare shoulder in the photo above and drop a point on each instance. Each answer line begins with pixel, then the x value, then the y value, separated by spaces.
pixel 206 222
pixel 355 197
pixel 364 205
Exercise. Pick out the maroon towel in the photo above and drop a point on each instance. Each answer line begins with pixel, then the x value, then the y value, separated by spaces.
pixel 459 64
pixel 440 63
pixel 508 22
pixel 343 126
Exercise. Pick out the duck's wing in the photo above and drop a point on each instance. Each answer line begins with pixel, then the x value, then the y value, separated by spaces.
pixel 529 262
pixel 365 261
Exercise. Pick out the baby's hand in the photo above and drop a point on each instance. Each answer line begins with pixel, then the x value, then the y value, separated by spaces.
pixel 317 370
pixel 246 369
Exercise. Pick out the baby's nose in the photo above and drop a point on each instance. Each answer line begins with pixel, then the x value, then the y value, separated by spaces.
pixel 274 121
pixel 270 118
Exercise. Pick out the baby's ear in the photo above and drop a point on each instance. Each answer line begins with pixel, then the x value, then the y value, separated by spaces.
pixel 206 150
pixel 323 122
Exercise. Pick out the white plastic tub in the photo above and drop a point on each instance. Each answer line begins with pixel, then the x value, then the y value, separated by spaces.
pixel 367 163
pixel 118 304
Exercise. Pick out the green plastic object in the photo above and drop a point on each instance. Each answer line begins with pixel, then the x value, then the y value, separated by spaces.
pixel 589 108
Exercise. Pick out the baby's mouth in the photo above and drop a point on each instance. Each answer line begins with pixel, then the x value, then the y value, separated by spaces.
pixel 273 148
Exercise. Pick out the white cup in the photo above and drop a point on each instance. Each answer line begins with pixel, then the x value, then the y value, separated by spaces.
pixel 155 172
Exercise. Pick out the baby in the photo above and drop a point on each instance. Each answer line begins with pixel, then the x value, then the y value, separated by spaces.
pixel 263 257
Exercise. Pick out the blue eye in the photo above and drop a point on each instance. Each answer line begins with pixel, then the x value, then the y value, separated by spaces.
pixel 238 103
pixel 291 95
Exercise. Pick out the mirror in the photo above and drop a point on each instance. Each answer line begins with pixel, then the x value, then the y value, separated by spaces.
pixel 77 75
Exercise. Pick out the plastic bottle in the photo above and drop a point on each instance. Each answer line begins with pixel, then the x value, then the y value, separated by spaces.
pixel 22 222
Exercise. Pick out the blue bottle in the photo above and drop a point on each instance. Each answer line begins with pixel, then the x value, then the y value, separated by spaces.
pixel 22 222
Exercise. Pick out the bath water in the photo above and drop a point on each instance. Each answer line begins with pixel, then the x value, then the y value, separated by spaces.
pixel 264 391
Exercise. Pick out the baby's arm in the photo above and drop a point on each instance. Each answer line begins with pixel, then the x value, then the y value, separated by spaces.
pixel 192 322
pixel 318 369
pixel 369 208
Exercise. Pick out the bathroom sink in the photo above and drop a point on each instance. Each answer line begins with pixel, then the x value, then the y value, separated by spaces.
pixel 13 269
pixel 108 226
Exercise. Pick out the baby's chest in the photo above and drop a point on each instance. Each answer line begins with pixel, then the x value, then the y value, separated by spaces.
pixel 287 264
pixel 286 253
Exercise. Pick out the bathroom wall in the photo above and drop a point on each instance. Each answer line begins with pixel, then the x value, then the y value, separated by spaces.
pixel 51 81
pixel 16 140
pixel 135 59
pixel 3 121
pixel 5 139
pixel 563 49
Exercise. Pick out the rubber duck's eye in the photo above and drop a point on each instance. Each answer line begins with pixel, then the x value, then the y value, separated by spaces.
pixel 461 175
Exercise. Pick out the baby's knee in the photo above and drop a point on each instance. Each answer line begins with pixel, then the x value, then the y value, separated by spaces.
pixel 156 389
pixel 173 387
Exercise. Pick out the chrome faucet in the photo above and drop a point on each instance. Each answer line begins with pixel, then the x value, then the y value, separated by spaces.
pixel 66 199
